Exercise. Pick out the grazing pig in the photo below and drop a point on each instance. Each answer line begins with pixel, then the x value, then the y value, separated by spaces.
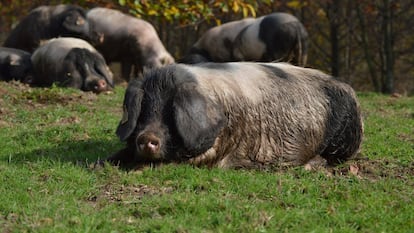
pixel 274 37
pixel 131 41
pixel 15 64
pixel 46 22
pixel 238 115
pixel 217 43
pixel 71 62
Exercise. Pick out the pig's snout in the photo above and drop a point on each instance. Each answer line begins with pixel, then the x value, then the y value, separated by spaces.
pixel 149 145
pixel 100 86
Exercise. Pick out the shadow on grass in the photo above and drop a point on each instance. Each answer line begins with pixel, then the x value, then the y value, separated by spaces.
pixel 81 153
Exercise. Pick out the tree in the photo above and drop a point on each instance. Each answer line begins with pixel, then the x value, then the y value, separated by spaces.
pixel 364 43
pixel 388 41
pixel 334 27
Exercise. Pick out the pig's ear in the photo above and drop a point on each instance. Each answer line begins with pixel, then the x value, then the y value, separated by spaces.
pixel 102 68
pixel 132 108
pixel 197 118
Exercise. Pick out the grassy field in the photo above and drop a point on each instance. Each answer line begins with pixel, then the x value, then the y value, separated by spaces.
pixel 49 138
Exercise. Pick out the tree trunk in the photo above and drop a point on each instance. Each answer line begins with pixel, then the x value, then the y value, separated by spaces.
pixel 333 9
pixel 368 56
pixel 388 81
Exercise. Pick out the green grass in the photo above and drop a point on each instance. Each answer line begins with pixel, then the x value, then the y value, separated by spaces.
pixel 49 138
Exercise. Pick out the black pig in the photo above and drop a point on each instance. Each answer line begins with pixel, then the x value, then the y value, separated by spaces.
pixel 46 22
pixel 15 64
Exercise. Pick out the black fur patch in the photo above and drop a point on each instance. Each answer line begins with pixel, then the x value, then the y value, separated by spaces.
pixel 14 64
pixel 195 56
pixel 132 108
pixel 280 37
pixel 343 131
pixel 276 71
pixel 198 121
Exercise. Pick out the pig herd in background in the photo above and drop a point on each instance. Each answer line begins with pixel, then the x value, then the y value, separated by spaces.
pixel 134 43
pixel 71 46
pixel 231 104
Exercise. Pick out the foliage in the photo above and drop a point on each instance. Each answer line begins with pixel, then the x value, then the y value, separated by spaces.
pixel 190 12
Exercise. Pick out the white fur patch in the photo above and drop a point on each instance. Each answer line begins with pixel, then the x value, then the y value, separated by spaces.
pixel 213 39
pixel 58 48
pixel 237 81
pixel 250 46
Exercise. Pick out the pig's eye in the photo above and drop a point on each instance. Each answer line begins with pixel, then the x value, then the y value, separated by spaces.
pixel 68 74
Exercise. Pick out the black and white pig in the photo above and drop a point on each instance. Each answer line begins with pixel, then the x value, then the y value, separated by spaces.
pixel 131 41
pixel 71 62
pixel 217 43
pixel 274 37
pixel 46 22
pixel 15 64
pixel 238 115
pixel 270 38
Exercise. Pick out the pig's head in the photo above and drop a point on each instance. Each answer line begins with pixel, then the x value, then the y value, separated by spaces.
pixel 87 71
pixel 71 21
pixel 167 118
pixel 20 68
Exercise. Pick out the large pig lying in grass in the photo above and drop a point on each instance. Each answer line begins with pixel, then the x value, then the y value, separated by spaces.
pixel 238 115
pixel 71 62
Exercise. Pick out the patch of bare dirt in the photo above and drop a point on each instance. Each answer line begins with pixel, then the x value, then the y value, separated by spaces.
pixel 7 222
pixel 374 169
pixel 127 194
pixel 51 96
pixel 407 137
pixel 17 92
pixel 69 120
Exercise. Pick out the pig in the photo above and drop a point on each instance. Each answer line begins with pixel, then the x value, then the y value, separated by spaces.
pixel 270 38
pixel 238 115
pixel 71 62
pixel 216 44
pixel 131 41
pixel 46 22
pixel 15 64
pixel 274 37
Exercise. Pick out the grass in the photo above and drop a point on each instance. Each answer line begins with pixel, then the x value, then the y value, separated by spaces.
pixel 50 137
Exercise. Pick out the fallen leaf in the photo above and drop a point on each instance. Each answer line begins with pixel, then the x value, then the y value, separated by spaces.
pixel 353 169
